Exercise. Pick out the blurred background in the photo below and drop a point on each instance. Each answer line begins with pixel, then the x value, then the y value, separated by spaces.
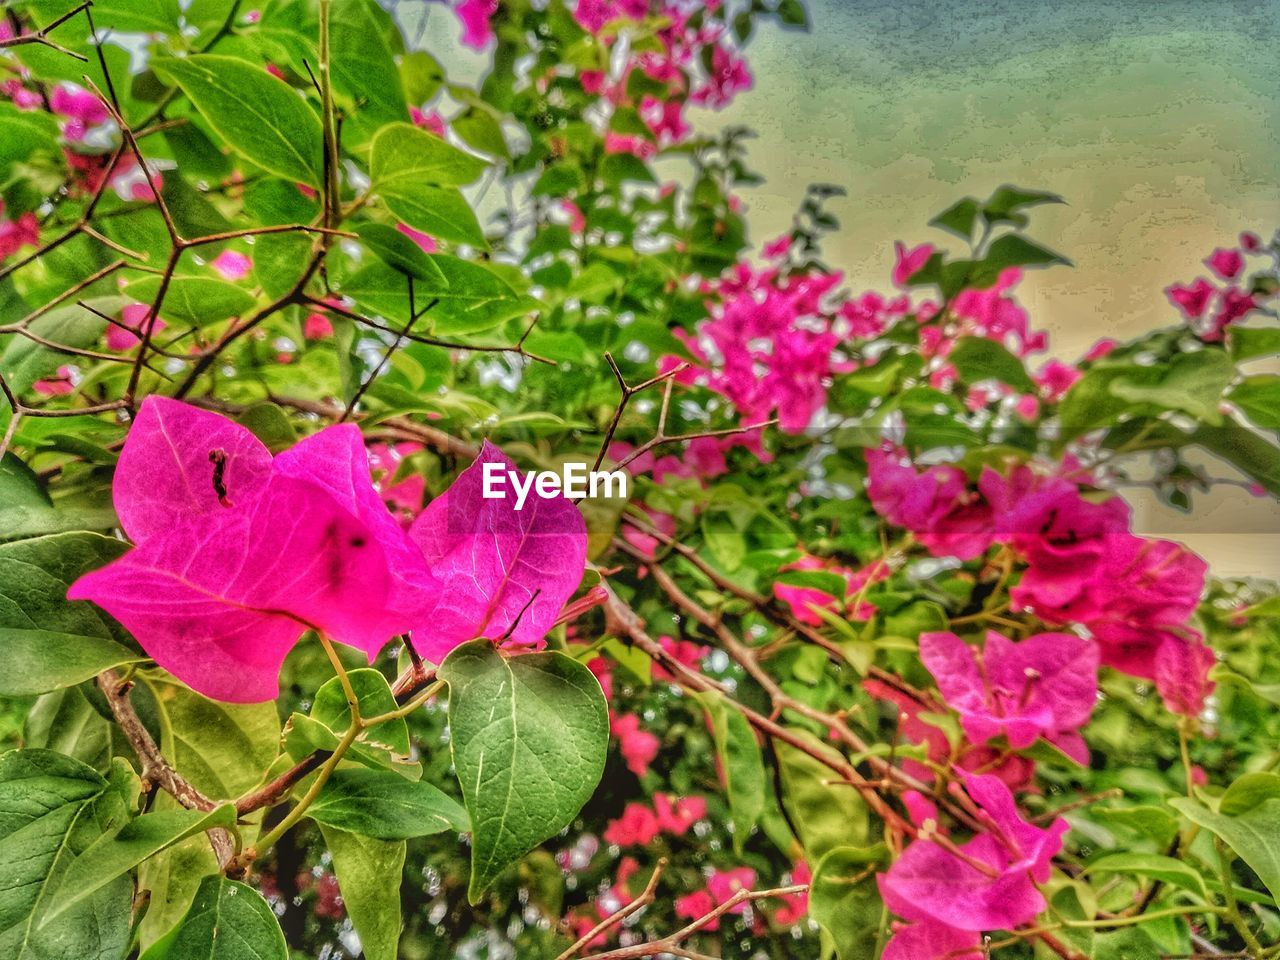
pixel 1157 120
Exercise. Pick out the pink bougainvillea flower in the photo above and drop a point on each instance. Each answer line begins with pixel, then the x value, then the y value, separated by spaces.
pixel 683 651
pixel 1055 378
pixel 180 463
pixel 795 906
pixel 802 600
pixel 57 386
pixel 638 826
pixel 431 121
pixel 909 262
pixel 505 573
pixel 477 33
pixel 1101 349
pixel 219 600
pixel 676 818
pixel 1192 300
pixel 231 265
pixel 1227 264
pixel 929 883
pixel 929 940
pixel 425 241
pixel 1250 242
pixel 126 335
pixel 335 460
pixel 694 905
pixel 1044 686
pixel 16 234
pixel 236 554
pixel 779 248
pixel 638 747
pixel 935 504
pixel 723 884
pixel 81 108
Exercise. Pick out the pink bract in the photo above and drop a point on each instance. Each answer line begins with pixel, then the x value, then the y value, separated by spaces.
pixel 218 600
pixel 504 573
pixel 1044 686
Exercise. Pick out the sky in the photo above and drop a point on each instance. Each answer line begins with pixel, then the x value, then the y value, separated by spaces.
pixel 1157 120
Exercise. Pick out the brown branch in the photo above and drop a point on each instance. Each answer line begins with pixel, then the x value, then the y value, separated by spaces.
pixel 156 770
pixel 621 914
pixel 41 36
pixel 671 942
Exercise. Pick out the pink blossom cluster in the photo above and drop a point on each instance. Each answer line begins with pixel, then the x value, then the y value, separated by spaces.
pixel 19 233
pixel 949 897
pixel 770 345
pixel 641 824
pixel 720 889
pixel 238 552
pixel 1081 564
pixel 1211 306
pixel 805 601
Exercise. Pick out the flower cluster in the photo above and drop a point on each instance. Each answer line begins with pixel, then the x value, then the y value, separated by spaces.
pixel 238 552
pixel 1211 306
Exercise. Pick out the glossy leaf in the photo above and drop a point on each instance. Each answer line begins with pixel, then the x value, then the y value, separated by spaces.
pixel 386 806
pixel 49 642
pixel 257 115
pixel 227 921
pixel 528 736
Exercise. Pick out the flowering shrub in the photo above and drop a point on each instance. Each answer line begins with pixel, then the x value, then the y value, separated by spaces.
pixel 868 660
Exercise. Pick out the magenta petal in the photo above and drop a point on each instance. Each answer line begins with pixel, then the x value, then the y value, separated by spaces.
pixel 218 601
pixel 499 567
pixel 181 462
pixel 928 940
pixel 335 459
pixel 928 883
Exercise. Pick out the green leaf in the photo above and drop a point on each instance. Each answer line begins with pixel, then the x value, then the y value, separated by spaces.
pixel 49 641
pixel 386 806
pixel 136 16
pixel 1259 399
pixel 741 761
pixel 221 748
pixel 473 297
pixel 1247 791
pixel 375 697
pixel 1255 835
pixel 259 116
pixel 844 900
pixel 792 13
pixel 405 156
pixel 1005 203
pixel 825 815
pixel 1249 343
pixel 115 855
pixel 422 76
pixel 364 69
pixel 22 133
pixel 1158 867
pixel 481 130
pixel 1131 943
pixel 959 218
pixel 400 252
pixel 65 721
pixel 369 875
pixel 47 801
pixel 1012 250
pixel 227 921
pixel 1190 382
pixel 977 359
pixel 279 261
pixel 529 736
pixel 194 301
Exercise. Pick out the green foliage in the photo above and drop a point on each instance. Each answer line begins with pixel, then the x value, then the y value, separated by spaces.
pixel 528 737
